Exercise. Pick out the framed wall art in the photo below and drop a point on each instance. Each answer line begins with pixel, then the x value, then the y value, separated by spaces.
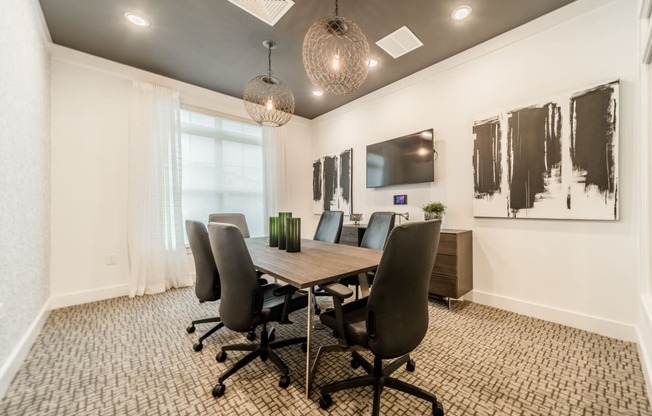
pixel 556 158
pixel 331 183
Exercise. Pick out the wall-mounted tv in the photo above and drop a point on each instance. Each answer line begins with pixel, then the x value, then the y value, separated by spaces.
pixel 404 160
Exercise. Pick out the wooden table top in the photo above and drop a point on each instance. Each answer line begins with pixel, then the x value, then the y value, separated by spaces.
pixel 316 263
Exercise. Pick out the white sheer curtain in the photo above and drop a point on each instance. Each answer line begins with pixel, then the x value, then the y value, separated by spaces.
pixel 157 253
pixel 276 181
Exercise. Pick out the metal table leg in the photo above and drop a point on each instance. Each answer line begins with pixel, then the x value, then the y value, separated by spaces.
pixel 308 336
pixel 364 284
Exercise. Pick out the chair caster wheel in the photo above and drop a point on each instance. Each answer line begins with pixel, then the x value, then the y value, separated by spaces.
pixel 220 357
pixel 190 329
pixel 437 409
pixel 354 363
pixel 325 401
pixel 304 347
pixel 198 346
pixel 284 381
pixel 218 390
pixel 251 335
pixel 317 310
pixel 410 366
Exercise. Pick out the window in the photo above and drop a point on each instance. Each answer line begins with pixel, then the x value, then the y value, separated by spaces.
pixel 222 168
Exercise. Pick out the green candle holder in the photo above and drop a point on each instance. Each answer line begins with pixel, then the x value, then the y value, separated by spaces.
pixel 282 224
pixel 273 231
pixel 293 226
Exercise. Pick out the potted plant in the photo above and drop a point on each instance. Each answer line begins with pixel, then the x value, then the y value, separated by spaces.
pixel 433 210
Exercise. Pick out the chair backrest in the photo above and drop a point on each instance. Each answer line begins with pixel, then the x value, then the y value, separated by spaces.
pixel 242 297
pixel 239 220
pixel 380 224
pixel 397 310
pixel 207 283
pixel 329 228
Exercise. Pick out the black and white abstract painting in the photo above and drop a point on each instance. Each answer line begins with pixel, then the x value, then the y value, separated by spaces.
pixel 331 183
pixel 555 159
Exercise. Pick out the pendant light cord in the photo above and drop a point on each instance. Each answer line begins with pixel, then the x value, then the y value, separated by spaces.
pixel 336 9
pixel 269 61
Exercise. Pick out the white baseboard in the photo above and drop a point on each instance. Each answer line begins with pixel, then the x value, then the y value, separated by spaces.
pixel 613 329
pixel 85 296
pixel 644 332
pixel 15 360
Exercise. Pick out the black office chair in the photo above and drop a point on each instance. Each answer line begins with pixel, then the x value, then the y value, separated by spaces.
pixel 240 221
pixel 380 224
pixel 245 303
pixel 237 219
pixel 392 320
pixel 329 230
pixel 207 282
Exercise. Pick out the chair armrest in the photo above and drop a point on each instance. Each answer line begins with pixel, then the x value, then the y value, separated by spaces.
pixel 284 290
pixel 339 292
pixel 337 289
pixel 261 280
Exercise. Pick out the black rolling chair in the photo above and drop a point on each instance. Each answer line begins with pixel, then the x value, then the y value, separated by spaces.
pixel 246 304
pixel 392 320
pixel 237 219
pixel 380 224
pixel 207 284
pixel 328 230
pixel 207 279
pixel 240 221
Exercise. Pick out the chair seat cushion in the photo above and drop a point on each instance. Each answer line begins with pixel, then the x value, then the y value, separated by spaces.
pixel 273 305
pixel 355 325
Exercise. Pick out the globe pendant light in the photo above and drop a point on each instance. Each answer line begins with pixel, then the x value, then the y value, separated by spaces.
pixel 267 99
pixel 335 54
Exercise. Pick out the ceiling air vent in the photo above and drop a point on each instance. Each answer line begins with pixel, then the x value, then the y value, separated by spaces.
pixel 269 11
pixel 399 42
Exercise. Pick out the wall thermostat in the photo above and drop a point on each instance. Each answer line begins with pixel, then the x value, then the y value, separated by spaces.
pixel 400 199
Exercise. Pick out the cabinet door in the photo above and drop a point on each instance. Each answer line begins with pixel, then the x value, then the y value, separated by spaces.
pixel 445 264
pixel 349 236
pixel 443 285
pixel 447 245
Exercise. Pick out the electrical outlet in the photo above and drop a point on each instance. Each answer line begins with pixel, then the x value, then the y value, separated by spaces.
pixel 110 259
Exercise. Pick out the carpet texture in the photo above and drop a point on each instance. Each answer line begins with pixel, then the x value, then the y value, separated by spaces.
pixel 133 357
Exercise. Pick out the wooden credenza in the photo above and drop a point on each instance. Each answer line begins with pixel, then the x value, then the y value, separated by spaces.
pixel 352 234
pixel 452 276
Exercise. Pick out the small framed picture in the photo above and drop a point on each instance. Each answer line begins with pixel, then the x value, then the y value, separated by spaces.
pixel 400 199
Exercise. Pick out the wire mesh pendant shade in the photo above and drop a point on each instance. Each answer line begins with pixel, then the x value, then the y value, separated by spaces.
pixel 335 54
pixel 267 99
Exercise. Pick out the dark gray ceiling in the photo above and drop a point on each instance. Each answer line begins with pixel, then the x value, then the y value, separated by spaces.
pixel 216 45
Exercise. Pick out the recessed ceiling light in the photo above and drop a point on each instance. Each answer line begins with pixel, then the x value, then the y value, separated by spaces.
pixel 318 93
pixel 461 13
pixel 372 62
pixel 137 20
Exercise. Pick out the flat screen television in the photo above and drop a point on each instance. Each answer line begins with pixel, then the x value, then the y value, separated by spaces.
pixel 400 161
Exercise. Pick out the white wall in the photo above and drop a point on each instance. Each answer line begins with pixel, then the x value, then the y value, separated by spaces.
pixel 644 325
pixel 581 273
pixel 90 121
pixel 24 181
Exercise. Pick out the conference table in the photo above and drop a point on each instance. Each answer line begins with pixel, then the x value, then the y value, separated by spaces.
pixel 317 263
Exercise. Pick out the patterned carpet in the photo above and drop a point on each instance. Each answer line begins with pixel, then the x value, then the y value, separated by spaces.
pixel 133 357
